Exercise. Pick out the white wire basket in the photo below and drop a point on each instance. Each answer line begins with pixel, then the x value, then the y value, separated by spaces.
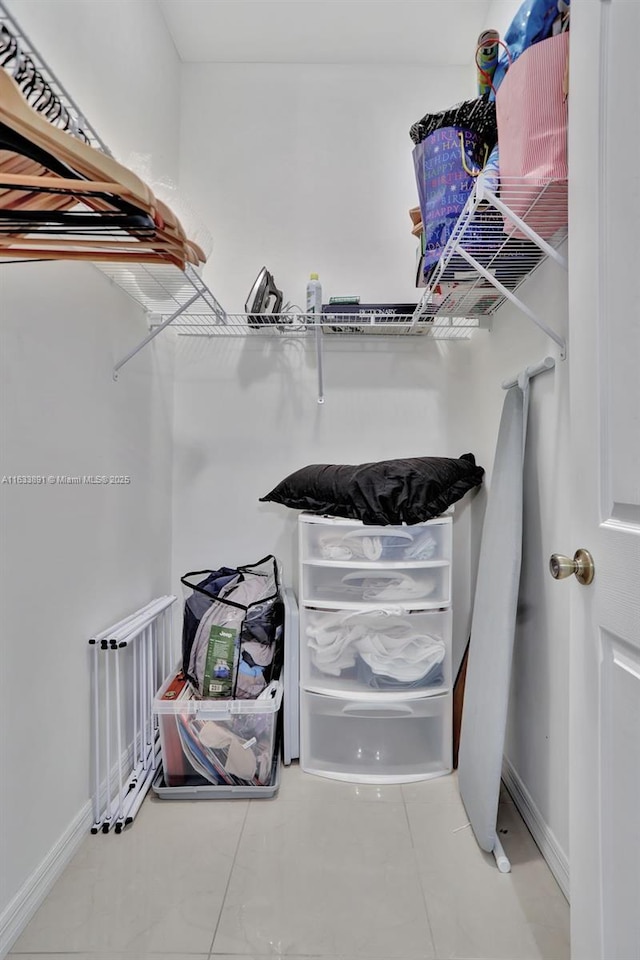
pixel 499 240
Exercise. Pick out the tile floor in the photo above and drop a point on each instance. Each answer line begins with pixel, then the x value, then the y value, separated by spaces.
pixel 323 870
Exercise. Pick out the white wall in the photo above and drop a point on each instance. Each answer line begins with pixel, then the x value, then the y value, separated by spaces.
pixel 306 168
pixel 246 416
pixel 500 15
pixel 76 558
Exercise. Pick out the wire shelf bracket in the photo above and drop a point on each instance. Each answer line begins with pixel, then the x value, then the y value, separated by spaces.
pixel 494 247
pixel 156 287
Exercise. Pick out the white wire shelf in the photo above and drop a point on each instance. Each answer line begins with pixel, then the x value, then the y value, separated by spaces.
pixel 293 325
pixel 498 242
pixel 163 289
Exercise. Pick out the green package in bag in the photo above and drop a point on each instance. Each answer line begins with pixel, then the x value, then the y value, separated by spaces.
pixel 218 671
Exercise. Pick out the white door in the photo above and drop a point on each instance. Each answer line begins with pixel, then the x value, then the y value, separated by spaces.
pixel 604 352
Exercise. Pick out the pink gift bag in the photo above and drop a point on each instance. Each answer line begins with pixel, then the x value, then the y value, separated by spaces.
pixel 532 113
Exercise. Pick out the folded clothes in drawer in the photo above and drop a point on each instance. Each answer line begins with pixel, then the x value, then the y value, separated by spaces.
pixel 391 544
pixel 420 585
pixel 366 651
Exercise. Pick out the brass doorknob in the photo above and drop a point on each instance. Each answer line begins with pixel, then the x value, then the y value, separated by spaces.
pixel 582 565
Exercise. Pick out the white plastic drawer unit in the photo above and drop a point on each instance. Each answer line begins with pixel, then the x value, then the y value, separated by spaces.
pixel 379 741
pixel 423 585
pixel 364 654
pixel 324 539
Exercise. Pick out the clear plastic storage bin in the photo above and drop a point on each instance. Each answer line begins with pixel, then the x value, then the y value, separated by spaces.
pixel 378 741
pixel 369 653
pixel 226 742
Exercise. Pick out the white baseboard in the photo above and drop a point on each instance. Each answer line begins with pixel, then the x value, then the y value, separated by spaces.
pixel 17 914
pixel 550 849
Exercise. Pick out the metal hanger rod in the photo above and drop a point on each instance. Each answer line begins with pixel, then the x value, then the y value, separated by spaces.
pixel 547 364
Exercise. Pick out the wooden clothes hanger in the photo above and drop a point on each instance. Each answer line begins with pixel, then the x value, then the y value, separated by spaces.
pixel 57 193
pixel 85 160
pixel 22 211
pixel 34 179
pixel 92 255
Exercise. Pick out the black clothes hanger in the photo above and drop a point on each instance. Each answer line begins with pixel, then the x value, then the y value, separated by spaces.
pixel 8 46
pixel 32 83
pixel 15 143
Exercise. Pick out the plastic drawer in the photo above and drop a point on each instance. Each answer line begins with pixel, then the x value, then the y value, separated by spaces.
pixel 350 541
pixel 367 654
pixel 375 742
pixel 414 587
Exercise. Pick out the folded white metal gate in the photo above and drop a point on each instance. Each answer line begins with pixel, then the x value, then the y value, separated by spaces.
pixel 130 661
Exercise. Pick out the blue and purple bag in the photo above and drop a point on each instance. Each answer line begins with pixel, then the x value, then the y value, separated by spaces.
pixel 446 164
